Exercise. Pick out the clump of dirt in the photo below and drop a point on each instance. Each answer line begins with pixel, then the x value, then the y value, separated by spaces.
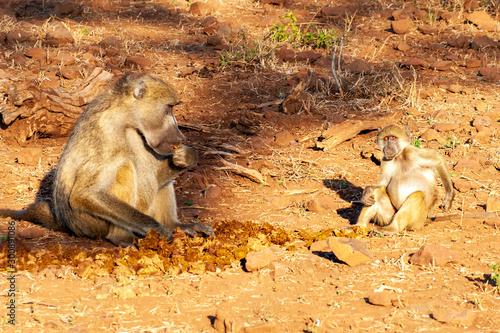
pixel 157 256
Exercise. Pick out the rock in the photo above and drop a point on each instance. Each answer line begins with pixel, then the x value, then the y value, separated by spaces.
pixel 442 65
pixel 450 17
pixel 445 127
pixel 483 42
pixel 17 36
pixel 490 74
pixel 483 137
pixel 138 61
pixel 210 25
pixel 455 88
pixel 259 259
pixel 402 46
pixel 482 121
pixel 431 135
pixel 214 40
pixel 482 106
pixel 285 54
pixel 470 5
pixel 64 8
pixel 474 63
pixel 110 41
pixel 432 254
pixel 359 66
pixel 70 73
pixel 482 19
pixel 35 52
pixel 203 8
pixel 452 315
pixel 307 56
pixel 64 58
pixel 461 42
pixel 320 246
pixel 467 165
pixel 493 204
pixel 382 299
pixel 213 192
pixel 332 13
pixel 283 138
pixel 415 63
pixel 427 30
pixel 31 232
pixel 401 27
pixel 29 156
pixel 352 251
pixel 401 14
pixel 322 205
pixel 464 185
pixel 58 37
pixel 278 270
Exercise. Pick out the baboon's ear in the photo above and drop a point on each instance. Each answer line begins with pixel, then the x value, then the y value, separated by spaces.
pixel 140 90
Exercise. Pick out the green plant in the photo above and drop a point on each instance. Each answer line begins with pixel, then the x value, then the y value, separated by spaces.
pixel 311 36
pixel 451 143
pixel 495 276
pixel 417 143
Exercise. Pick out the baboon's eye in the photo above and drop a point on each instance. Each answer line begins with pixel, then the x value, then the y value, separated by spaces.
pixel 386 138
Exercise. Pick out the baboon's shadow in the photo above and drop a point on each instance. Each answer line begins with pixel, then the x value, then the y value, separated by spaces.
pixel 349 193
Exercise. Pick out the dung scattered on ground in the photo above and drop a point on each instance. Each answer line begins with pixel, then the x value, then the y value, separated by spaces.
pixel 156 256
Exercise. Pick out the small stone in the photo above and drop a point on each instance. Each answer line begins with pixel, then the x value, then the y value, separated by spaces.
pixel 482 121
pixel 307 56
pixel 461 42
pixel 225 31
pixel 434 254
pixel 70 73
pixel 455 88
pixel 110 41
pixel 382 299
pixel 32 232
pixel 58 37
pixel 467 165
pixel 452 315
pixel 64 58
pixel 17 36
pixel 320 246
pixel 442 65
pixel 359 66
pixel 138 61
pixel 400 14
pixel 451 17
pixel 259 259
pixel 64 8
pixel 427 30
pixel 402 46
pixel 401 27
pixel 483 42
pixel 285 54
pixel 414 63
pixel 493 204
pixel 464 185
pixel 213 192
pixel 482 106
pixel 474 63
pixel 214 40
pixel 482 19
pixel 322 205
pixel 432 135
pixel 202 8
pixel 226 321
pixel 352 251
pixel 35 52
pixel 278 270
pixel 29 156
pixel 445 127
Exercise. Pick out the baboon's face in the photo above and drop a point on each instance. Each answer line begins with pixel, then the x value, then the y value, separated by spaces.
pixel 392 140
pixel 154 102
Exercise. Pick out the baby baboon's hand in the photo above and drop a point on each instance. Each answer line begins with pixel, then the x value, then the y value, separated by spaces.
pixel 196 229
pixel 185 157
pixel 368 198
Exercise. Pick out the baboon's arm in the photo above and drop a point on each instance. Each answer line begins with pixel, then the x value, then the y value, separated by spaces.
pixel 107 207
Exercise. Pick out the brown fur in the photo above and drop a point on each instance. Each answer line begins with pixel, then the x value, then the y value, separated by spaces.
pixel 114 178
pixel 407 192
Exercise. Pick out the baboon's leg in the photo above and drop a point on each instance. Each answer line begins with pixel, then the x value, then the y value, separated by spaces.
pixel 411 215
pixel 381 212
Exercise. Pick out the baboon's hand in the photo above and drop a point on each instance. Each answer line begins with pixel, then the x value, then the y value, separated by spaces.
pixel 368 198
pixel 185 157
pixel 447 201
pixel 196 229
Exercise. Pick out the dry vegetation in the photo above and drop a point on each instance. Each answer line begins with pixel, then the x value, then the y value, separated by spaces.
pixel 262 109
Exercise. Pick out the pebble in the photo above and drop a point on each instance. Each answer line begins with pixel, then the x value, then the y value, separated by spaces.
pixel 401 27
pixel 351 251
pixel 256 260
pixel 432 254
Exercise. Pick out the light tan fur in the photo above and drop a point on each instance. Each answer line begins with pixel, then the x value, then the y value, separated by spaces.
pixel 407 192
pixel 114 177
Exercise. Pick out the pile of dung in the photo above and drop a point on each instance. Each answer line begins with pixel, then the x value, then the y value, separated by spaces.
pixel 156 256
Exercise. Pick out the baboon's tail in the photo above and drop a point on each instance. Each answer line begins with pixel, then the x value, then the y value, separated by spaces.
pixel 38 212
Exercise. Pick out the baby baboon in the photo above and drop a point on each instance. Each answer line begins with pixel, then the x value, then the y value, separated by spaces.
pixel 114 178
pixel 407 191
